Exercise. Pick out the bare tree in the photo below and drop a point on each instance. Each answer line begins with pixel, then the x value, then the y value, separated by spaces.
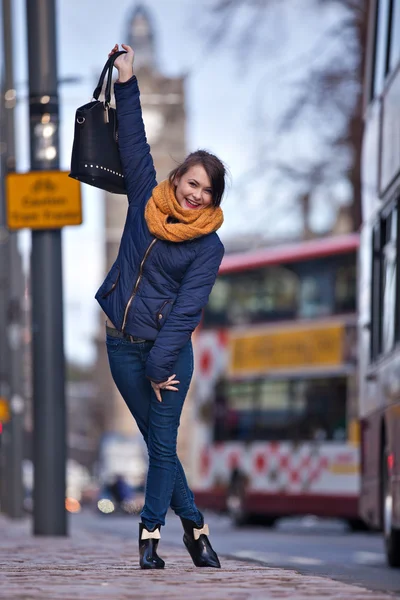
pixel 327 95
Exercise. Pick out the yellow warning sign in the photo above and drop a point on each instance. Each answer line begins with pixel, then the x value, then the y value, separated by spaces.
pixel 43 200
pixel 4 410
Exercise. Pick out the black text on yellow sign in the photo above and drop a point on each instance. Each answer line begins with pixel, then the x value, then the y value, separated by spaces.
pixel 43 200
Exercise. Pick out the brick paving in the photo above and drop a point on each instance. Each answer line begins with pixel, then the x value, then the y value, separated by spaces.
pixel 98 566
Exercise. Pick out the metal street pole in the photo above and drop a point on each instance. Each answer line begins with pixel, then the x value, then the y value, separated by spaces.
pixel 15 429
pixel 49 440
pixel 4 352
pixel 4 299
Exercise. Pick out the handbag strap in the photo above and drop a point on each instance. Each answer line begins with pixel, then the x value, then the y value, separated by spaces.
pixel 107 67
pixel 110 74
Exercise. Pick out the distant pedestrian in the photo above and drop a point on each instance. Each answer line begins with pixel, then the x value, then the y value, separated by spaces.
pixel 153 297
pixel 120 490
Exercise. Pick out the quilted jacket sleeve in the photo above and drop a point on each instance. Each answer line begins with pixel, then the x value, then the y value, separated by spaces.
pixel 185 314
pixel 137 162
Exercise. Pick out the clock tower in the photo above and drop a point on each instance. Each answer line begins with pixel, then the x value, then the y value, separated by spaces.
pixel 163 105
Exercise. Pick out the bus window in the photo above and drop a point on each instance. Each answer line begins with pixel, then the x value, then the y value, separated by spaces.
pixel 300 410
pixel 389 281
pixel 215 312
pixel 278 294
pixel 315 295
pixel 394 53
pixel 254 296
pixel 323 409
pixel 376 300
pixel 273 410
pixel 381 46
pixel 384 283
pixel 306 289
pixel 345 289
pixel 246 301
pixel 234 411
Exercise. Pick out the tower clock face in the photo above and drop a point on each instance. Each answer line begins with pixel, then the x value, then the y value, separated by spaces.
pixel 154 122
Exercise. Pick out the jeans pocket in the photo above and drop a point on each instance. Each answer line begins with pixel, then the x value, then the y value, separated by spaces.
pixel 112 344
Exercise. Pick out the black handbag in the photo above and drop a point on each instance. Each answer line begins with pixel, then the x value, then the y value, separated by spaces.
pixel 95 156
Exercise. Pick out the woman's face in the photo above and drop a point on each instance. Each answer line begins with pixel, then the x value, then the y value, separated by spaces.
pixel 193 189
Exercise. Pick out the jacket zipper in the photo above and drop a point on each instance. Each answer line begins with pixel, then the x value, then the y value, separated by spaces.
pixel 136 284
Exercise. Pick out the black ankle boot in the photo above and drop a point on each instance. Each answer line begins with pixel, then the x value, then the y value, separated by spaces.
pixel 148 542
pixel 196 541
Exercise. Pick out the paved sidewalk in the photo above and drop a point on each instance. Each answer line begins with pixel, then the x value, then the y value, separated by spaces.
pixel 98 566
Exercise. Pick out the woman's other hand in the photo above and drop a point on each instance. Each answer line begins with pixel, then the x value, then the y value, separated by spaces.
pixel 124 63
pixel 165 385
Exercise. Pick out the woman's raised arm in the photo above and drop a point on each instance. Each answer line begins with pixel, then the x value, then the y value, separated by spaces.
pixel 137 162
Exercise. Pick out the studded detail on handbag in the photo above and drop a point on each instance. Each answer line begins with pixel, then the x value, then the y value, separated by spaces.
pixel 95 156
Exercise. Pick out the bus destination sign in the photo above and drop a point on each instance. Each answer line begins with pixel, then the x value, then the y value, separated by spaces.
pixel 43 200
pixel 296 347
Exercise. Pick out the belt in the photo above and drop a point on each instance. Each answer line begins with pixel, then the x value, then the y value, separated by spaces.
pixel 125 336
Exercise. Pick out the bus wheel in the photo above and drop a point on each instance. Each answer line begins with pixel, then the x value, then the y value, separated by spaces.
pixel 265 520
pixel 357 525
pixel 235 502
pixel 392 535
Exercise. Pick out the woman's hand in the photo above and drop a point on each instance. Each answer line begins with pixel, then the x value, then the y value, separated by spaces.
pixel 124 63
pixel 165 385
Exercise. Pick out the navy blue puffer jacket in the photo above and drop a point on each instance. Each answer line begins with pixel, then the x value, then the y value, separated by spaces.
pixel 156 289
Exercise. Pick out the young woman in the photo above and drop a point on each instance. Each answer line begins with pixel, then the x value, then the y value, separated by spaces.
pixel 153 297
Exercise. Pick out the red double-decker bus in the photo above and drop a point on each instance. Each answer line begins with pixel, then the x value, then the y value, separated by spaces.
pixel 379 283
pixel 274 393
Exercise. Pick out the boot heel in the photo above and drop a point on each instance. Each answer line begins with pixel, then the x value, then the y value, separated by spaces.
pixel 198 545
pixel 148 543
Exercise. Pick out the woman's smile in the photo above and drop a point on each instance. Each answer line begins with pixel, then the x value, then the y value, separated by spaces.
pixel 192 204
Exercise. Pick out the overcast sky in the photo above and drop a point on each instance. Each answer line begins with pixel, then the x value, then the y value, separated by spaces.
pixel 221 116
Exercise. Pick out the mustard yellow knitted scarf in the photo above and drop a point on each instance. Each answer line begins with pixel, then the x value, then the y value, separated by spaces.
pixel 186 224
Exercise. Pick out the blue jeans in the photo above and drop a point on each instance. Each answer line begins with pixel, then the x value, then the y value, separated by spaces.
pixel 158 422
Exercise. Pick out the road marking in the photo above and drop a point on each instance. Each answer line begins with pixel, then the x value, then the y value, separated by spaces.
pixel 360 558
pixel 275 558
pixel 369 558
pixel 305 560
pixel 265 557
